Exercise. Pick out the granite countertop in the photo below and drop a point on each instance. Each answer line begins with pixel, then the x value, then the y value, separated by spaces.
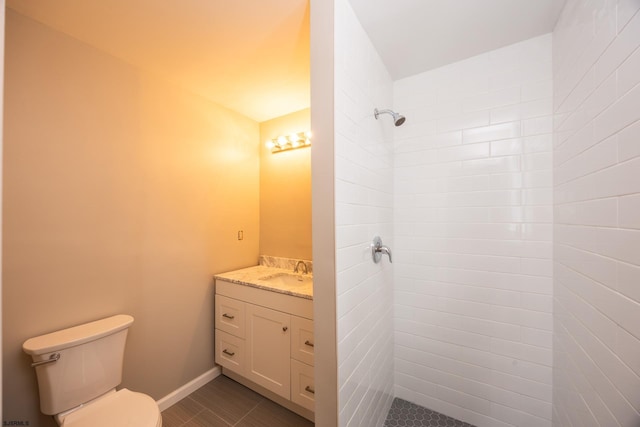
pixel 252 276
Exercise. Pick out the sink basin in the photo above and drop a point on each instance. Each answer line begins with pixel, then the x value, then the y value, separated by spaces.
pixel 288 280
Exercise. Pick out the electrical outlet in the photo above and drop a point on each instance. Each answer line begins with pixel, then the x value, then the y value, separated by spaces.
pixel 240 235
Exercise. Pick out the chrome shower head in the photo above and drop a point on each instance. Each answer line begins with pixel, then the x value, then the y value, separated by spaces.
pixel 398 119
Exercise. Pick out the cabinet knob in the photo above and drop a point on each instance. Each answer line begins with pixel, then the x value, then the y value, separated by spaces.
pixel 285 328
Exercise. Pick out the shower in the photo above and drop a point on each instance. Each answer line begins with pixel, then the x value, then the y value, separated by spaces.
pixel 398 119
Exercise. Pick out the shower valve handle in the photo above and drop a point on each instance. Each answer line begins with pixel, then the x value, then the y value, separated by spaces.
pixel 377 249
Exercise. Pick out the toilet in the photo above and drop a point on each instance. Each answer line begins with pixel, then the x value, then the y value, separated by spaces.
pixel 78 370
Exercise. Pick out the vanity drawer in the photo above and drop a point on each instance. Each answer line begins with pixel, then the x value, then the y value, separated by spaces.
pixel 230 351
pixel 230 315
pixel 302 342
pixel 302 385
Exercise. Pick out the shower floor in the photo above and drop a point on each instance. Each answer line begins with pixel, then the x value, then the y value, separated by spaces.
pixel 407 414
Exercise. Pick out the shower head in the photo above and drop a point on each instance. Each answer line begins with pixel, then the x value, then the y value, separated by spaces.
pixel 398 119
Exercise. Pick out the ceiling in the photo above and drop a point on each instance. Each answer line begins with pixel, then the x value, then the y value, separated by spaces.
pixel 413 36
pixel 251 56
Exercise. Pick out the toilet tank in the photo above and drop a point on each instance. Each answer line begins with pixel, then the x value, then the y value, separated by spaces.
pixel 90 363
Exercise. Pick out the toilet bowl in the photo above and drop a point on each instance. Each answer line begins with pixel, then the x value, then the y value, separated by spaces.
pixel 78 370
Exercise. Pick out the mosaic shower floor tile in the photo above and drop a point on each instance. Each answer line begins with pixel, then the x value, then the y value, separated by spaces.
pixel 407 414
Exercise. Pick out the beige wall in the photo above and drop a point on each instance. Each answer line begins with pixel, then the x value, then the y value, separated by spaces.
pixel 122 194
pixel 285 191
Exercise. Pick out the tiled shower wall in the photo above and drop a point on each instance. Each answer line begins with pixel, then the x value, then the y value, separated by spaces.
pixel 473 228
pixel 364 208
pixel 597 226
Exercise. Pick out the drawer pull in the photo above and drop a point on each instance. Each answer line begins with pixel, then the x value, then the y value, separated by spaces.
pixel 309 343
pixel 310 390
pixel 285 328
pixel 228 316
pixel 228 353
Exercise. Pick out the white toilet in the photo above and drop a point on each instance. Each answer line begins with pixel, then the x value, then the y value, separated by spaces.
pixel 78 370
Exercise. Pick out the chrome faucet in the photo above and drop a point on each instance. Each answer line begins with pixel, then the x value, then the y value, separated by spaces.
pixel 304 265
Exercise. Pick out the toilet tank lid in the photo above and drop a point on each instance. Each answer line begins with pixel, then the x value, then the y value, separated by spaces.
pixel 76 335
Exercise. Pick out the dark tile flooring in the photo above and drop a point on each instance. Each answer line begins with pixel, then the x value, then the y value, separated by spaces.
pixel 407 414
pixel 223 403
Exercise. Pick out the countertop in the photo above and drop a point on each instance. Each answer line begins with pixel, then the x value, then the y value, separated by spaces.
pixel 250 276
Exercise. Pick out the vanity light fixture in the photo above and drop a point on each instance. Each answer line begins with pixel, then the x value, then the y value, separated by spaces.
pixel 290 142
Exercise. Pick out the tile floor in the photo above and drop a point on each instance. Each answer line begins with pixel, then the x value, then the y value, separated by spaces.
pixel 407 414
pixel 223 403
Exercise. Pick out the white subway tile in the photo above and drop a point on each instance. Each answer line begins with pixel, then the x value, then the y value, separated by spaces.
pixel 537 179
pixel 459 221
pixel 506 214
pixel 627 280
pixel 621 114
pixel 629 211
pixel 506 147
pixel 629 142
pixel 464 152
pixel 539 90
pixel 505 181
pixel 510 113
pixel 364 156
pixel 625 11
pixel 493 99
pixel 537 108
pixel 537 126
pixel 537 196
pixel 601 98
pixel 464 183
pixel 617 180
pixel 627 348
pixel 537 267
pixel 542 232
pixel 465 121
pixel 537 161
pixel 538 214
pixel 625 43
pixel 491 133
pixel 491 166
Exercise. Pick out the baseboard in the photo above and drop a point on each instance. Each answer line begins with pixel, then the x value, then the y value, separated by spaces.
pixel 184 391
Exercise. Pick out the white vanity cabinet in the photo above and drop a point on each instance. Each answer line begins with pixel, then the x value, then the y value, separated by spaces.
pixel 266 337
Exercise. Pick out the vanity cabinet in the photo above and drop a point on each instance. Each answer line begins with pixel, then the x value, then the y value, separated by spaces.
pixel 266 338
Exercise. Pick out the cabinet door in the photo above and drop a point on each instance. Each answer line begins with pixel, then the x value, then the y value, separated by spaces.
pixel 268 349
pixel 302 339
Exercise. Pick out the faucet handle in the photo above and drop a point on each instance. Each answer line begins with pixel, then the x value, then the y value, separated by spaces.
pixel 377 249
pixel 385 250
